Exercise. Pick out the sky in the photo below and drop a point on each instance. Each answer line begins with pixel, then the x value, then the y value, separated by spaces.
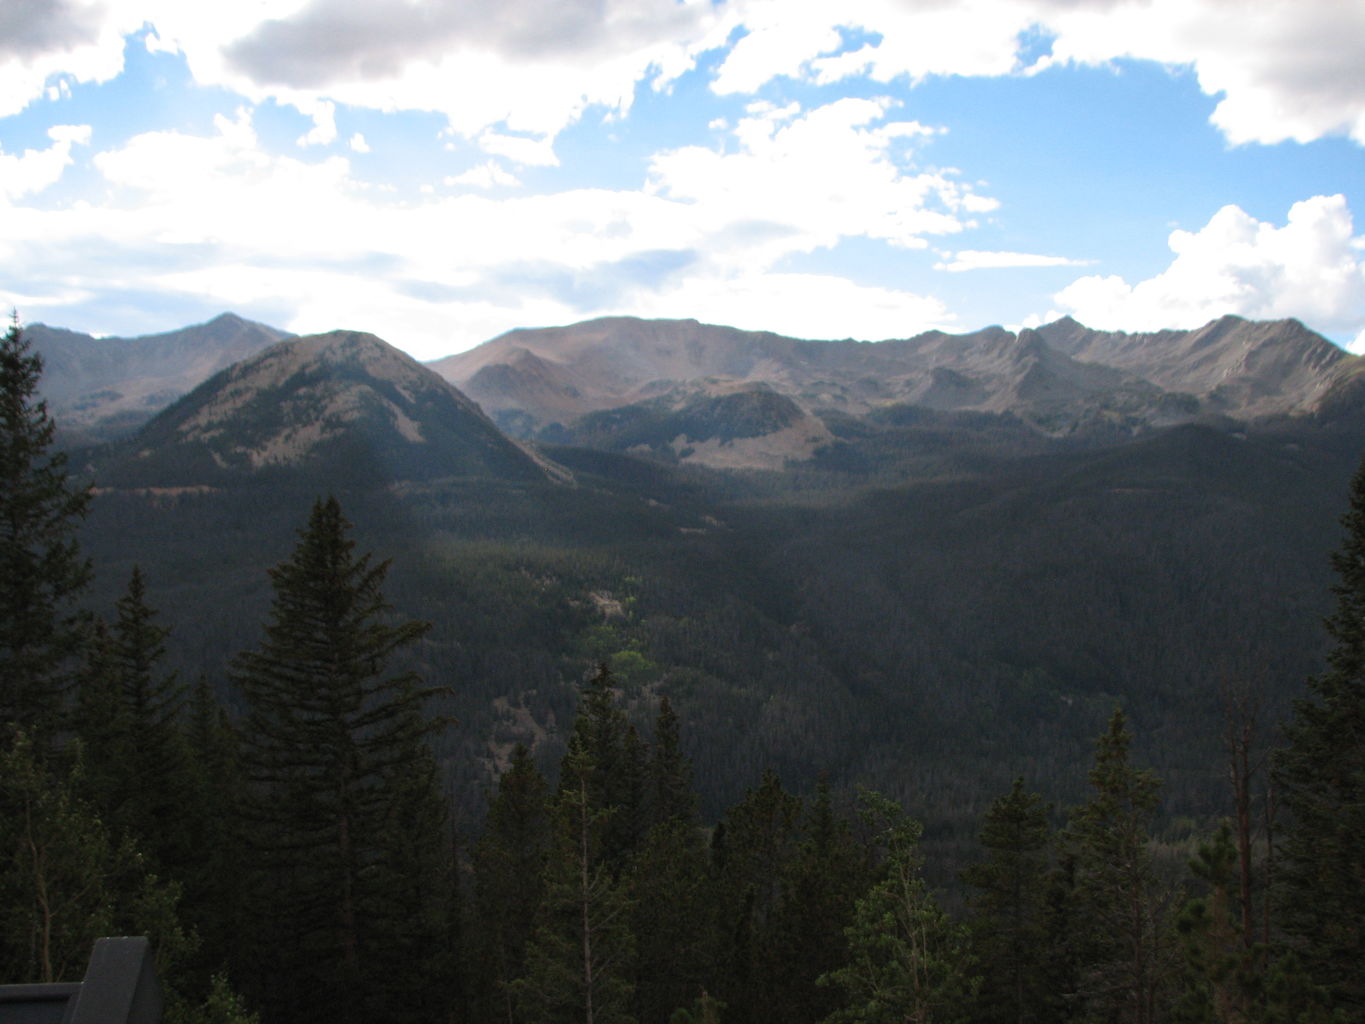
pixel 438 173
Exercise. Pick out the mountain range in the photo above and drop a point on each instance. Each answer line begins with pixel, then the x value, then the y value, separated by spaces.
pixel 106 387
pixel 689 392
pixel 928 564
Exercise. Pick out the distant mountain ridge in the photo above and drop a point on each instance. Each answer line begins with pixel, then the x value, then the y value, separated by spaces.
pixel 683 391
pixel 1062 377
pixel 105 387
pixel 345 405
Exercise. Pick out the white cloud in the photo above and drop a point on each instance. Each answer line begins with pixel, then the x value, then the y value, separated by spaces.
pixel 813 178
pixel 537 152
pixel 219 222
pixel 39 40
pixel 324 116
pixel 1282 69
pixel 358 144
pixel 35 169
pixel 800 305
pixel 1285 69
pixel 489 174
pixel 976 259
pixel 1310 269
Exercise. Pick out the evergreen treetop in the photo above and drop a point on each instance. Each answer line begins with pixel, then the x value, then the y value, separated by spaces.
pixel 41 568
pixel 1321 779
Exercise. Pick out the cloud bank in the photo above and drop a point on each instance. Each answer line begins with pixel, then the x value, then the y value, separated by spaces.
pixel 1310 268
pixel 1282 69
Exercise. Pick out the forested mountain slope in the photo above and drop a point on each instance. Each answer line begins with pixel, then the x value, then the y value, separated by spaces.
pixel 936 602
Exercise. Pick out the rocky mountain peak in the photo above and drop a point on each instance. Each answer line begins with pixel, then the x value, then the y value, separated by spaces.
pixel 336 405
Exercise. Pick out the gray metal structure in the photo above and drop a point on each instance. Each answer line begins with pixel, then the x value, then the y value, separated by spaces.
pixel 120 987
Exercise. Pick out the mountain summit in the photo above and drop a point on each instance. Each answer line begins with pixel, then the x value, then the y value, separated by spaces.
pixel 1060 378
pixel 343 405
pixel 108 387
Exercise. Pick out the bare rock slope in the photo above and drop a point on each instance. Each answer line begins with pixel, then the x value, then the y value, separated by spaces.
pixel 1060 378
pixel 343 404
pixel 105 387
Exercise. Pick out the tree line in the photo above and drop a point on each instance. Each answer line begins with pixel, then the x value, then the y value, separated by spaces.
pixel 297 861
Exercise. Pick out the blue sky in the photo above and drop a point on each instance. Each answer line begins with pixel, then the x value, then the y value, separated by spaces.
pixel 439 173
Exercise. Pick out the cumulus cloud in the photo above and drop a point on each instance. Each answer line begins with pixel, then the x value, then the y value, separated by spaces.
pixel 976 259
pixel 324 117
pixel 35 169
pixel 535 64
pixel 818 176
pixel 1282 69
pixel 489 174
pixel 1309 268
pixel 218 221
pixel 532 152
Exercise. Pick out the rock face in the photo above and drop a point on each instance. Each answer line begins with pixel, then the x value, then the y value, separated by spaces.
pixel 100 388
pixel 342 405
pixel 1060 378
pixel 1238 367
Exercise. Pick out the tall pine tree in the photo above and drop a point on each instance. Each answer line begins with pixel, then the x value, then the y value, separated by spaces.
pixel 907 961
pixel 1126 956
pixel 128 716
pixel 580 960
pixel 1321 781
pixel 41 568
pixel 509 865
pixel 333 742
pixel 1007 921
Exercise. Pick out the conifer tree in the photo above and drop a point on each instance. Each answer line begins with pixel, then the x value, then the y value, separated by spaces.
pixel 1127 959
pixel 1321 782
pixel 41 568
pixel 617 780
pixel 1223 971
pixel 580 959
pixel 509 866
pixel 752 854
pixel 65 880
pixel 907 960
pixel 128 716
pixel 827 874
pixel 1007 910
pixel 672 918
pixel 671 795
pixel 331 743
pixel 214 881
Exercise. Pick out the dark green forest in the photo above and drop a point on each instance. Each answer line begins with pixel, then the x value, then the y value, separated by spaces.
pixel 675 747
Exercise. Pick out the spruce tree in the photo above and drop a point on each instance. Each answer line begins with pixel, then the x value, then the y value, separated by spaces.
pixel 1121 907
pixel 214 881
pixel 827 875
pixel 1007 919
pixel 672 918
pixel 580 960
pixel 1321 783
pixel 41 568
pixel 753 851
pixel 617 781
pixel 907 961
pixel 509 865
pixel 1223 970
pixel 128 716
pixel 331 743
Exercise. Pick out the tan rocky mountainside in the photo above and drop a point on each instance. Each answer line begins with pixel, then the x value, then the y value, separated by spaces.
pixel 1060 377
pixel 102 387
pixel 342 402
